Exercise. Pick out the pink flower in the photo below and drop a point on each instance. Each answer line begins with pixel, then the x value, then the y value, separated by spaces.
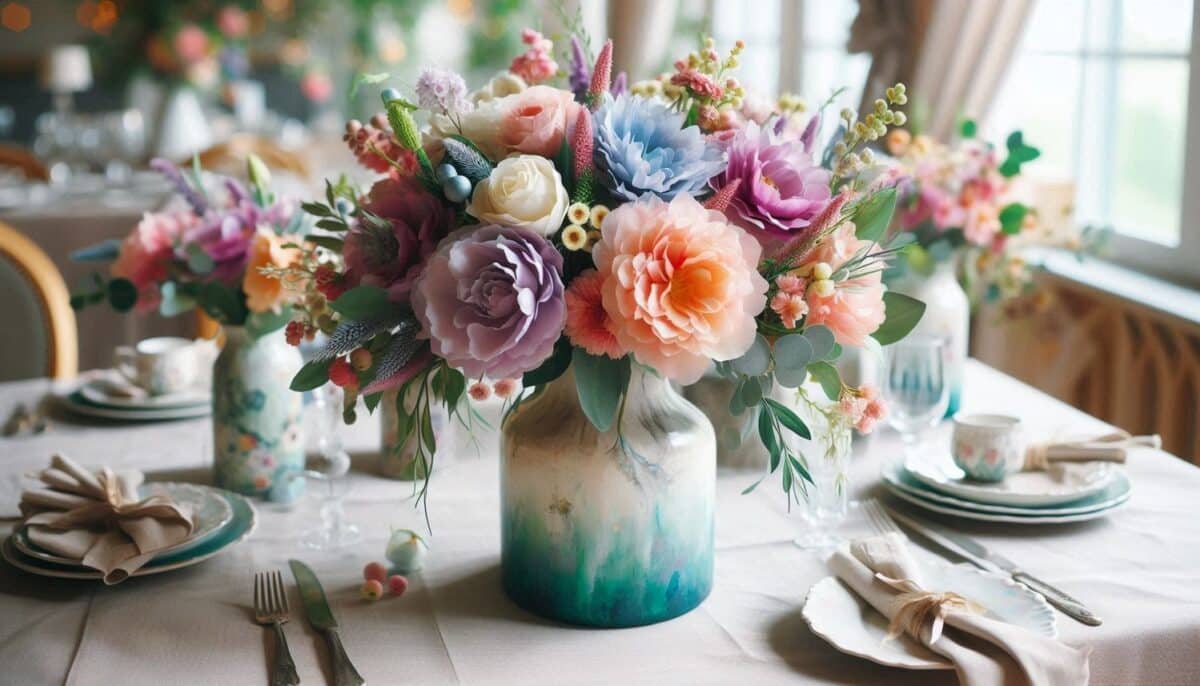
pixel 588 325
pixel 479 391
pixel 233 21
pixel 535 120
pixel 146 253
pixel 505 388
pixel 191 43
pixel 680 284
pixel 982 223
pixel 316 86
pixel 536 64
pixel 855 308
pixel 790 284
pixel 701 85
pixel 790 308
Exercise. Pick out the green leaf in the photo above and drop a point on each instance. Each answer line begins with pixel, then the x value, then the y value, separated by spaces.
pixel 822 341
pixel 1018 153
pixel 1012 218
pixel 736 406
pixel 968 128
pixel 223 303
pixel 755 360
pixel 693 116
pixel 328 242
pixel 259 324
pixel 372 401
pixel 427 436
pixel 766 433
pixel 828 377
pixel 455 385
pixel 316 209
pixel 749 489
pixel 787 477
pixel 312 375
pixel 333 225
pixel 901 314
pixel 365 79
pixel 752 391
pixel 173 302
pixel 362 303
pixel 873 215
pixel 793 352
pixel 552 368
pixel 800 469
pixel 122 294
pixel 198 261
pixel 600 381
pixel 789 419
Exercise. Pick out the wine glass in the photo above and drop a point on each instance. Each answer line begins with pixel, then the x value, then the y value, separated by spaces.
pixel 327 468
pixel 915 387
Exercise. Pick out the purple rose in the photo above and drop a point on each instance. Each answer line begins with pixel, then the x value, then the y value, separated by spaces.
pixel 392 255
pixel 492 301
pixel 782 188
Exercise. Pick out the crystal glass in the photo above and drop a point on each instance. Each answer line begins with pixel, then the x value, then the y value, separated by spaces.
pixel 326 467
pixel 827 457
pixel 915 387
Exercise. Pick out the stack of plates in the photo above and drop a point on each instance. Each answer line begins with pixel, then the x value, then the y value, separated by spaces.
pixel 221 519
pixel 95 397
pixel 1066 493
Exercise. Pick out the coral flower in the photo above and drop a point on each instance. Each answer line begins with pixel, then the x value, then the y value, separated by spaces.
pixel 588 325
pixel 680 284
pixel 146 253
pixel 265 292
pixel 535 120
pixel 854 309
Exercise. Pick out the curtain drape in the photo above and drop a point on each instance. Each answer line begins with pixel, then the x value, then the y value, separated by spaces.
pixel 967 48
pixel 641 31
pixel 891 31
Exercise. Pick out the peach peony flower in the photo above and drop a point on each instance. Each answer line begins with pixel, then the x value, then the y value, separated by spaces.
pixel 146 253
pixel 588 325
pixel 855 307
pixel 680 284
pixel 535 120
pixel 266 250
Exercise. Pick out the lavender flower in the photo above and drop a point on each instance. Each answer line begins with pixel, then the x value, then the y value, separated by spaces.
pixel 579 76
pixel 620 85
pixel 185 189
pixel 442 91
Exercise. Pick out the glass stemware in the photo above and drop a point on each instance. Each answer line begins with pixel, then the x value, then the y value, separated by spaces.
pixel 915 387
pixel 327 468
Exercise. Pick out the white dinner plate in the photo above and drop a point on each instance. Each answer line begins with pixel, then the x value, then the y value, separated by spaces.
pixel 95 391
pixel 1117 492
pixel 244 521
pixel 75 402
pixel 210 511
pixel 1006 518
pixel 838 615
pixel 1063 483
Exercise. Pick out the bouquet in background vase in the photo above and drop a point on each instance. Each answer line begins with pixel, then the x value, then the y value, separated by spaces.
pixel 576 250
pixel 221 249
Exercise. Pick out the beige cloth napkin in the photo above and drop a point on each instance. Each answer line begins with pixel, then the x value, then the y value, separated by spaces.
pixel 1109 447
pixel 98 519
pixel 985 651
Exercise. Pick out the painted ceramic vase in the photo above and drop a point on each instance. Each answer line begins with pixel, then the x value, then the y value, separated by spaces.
pixel 607 529
pixel 947 314
pixel 400 460
pixel 258 436
pixel 738 445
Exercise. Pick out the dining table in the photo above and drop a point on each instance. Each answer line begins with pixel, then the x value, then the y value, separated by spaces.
pixel 1138 568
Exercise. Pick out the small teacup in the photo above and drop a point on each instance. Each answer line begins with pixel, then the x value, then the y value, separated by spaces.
pixel 161 365
pixel 988 447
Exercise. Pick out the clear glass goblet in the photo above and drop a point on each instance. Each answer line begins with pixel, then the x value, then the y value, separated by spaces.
pixel 915 387
pixel 327 468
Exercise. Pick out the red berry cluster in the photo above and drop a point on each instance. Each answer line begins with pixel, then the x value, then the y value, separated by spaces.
pixel 342 374
pixel 294 332
pixel 374 145
pixel 329 283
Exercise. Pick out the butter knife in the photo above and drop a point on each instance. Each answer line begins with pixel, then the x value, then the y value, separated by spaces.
pixel 979 555
pixel 316 608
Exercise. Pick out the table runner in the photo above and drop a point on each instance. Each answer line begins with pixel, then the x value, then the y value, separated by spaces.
pixel 1136 568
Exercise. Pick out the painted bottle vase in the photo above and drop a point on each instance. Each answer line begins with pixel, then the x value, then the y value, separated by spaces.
pixel 947 314
pixel 738 445
pixel 401 459
pixel 613 528
pixel 258 434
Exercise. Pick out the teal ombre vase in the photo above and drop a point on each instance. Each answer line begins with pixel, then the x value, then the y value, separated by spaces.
pixel 609 529
pixel 258 433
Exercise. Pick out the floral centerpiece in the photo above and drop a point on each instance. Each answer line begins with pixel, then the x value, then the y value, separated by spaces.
pixel 220 249
pixel 592 244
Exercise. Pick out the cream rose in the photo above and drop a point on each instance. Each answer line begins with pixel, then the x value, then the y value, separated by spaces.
pixel 524 191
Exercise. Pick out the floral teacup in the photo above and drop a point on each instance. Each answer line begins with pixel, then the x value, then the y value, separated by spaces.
pixel 988 447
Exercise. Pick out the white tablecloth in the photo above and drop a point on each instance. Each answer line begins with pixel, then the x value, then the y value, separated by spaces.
pixel 1137 568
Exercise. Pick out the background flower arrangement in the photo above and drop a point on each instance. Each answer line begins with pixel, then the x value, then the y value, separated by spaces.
pixel 528 229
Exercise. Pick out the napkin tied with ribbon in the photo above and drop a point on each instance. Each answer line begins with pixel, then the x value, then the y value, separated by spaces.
pixel 985 651
pixel 99 520
pixel 1109 447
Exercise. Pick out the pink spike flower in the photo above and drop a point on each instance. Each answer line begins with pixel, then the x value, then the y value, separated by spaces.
pixel 601 75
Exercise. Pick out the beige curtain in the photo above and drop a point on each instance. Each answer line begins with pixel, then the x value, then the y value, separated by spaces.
pixel 891 31
pixel 967 48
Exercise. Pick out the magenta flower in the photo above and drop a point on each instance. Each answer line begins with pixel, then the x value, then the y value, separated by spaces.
pixel 491 301
pixel 782 188
pixel 390 254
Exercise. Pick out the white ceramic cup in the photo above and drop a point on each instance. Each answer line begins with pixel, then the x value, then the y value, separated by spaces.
pixel 988 447
pixel 162 365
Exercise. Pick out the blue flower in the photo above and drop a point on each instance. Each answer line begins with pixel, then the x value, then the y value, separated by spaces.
pixel 642 147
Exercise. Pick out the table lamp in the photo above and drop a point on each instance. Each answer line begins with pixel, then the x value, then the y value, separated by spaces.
pixel 66 69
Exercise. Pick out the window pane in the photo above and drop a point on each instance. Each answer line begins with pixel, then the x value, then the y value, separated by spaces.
pixel 733 20
pixel 1040 97
pixel 827 70
pixel 1054 26
pixel 826 23
pixel 759 69
pixel 1156 25
pixel 1149 138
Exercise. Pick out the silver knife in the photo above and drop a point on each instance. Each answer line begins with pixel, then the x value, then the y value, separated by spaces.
pixel 981 557
pixel 316 608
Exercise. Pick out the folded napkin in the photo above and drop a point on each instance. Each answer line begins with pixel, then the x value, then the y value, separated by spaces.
pixel 985 651
pixel 1110 447
pixel 98 519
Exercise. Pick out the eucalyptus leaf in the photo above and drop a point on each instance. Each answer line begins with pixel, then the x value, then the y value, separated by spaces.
pixel 828 377
pixel 736 405
pixel 755 360
pixel 752 391
pixel 791 378
pixel 198 261
pixel 901 315
pixel 793 352
pixel 600 382
pixel 122 294
pixel 822 341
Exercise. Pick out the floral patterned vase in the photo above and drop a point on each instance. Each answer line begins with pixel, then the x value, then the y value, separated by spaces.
pixel 258 434
pixel 947 314
pixel 400 460
pixel 607 529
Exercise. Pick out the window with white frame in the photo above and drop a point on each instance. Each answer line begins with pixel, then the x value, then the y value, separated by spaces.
pixel 1102 87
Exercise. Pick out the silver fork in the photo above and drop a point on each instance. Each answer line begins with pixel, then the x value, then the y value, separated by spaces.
pixel 271 607
pixel 880 520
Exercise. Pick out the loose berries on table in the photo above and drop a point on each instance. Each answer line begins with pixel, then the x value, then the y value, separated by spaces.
pixel 397 584
pixel 372 590
pixel 376 571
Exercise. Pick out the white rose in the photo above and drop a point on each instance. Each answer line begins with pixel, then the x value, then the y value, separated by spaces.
pixel 524 191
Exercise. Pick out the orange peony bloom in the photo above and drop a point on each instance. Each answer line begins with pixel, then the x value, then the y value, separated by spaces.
pixel 681 285
pixel 265 292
